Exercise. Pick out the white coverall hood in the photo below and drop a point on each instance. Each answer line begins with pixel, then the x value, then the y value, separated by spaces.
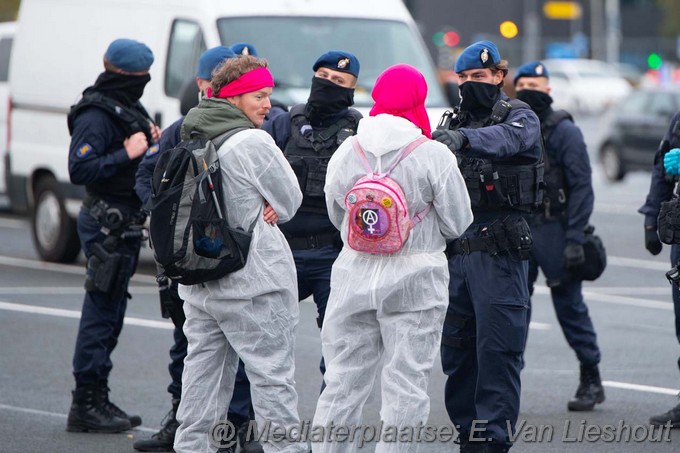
pixel 383 133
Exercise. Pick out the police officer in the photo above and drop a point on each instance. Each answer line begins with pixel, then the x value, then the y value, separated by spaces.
pixel 110 131
pixel 664 178
pixel 240 407
pixel 498 145
pixel 558 227
pixel 309 135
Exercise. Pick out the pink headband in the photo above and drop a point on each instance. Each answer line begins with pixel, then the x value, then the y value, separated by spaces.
pixel 401 91
pixel 250 81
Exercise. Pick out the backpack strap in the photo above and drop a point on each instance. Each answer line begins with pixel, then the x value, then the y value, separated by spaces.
pixel 416 219
pixel 405 152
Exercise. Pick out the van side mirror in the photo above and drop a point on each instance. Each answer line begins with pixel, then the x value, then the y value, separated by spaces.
pixel 452 93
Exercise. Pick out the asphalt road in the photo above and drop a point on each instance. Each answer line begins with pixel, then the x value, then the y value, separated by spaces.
pixel 630 306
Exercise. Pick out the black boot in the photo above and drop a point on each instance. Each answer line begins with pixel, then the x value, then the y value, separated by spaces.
pixel 89 413
pixel 248 445
pixel 672 416
pixel 590 390
pixel 135 420
pixel 165 438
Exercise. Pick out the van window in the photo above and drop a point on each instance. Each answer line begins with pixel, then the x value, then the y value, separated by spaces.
pixel 186 46
pixel 291 45
pixel 5 51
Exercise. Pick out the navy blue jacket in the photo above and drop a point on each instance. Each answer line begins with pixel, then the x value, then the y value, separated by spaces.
pixel 98 160
pixel 568 150
pixel 517 136
pixel 660 190
pixel 169 139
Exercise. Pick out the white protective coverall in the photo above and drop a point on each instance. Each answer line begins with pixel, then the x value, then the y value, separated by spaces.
pixel 251 313
pixel 389 307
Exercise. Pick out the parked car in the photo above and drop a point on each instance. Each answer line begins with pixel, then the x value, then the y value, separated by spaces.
pixel 589 86
pixel 7 30
pixel 634 129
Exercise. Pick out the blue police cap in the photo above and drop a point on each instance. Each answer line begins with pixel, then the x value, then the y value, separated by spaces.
pixel 211 59
pixel 243 48
pixel 338 61
pixel 531 69
pixel 482 54
pixel 129 55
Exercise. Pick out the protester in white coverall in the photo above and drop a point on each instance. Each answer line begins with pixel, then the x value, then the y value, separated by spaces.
pixel 251 313
pixel 390 307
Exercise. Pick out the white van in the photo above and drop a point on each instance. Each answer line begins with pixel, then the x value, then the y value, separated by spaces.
pixel 58 52
pixel 7 31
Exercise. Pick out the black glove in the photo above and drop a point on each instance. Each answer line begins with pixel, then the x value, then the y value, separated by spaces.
pixel 574 255
pixel 652 242
pixel 455 140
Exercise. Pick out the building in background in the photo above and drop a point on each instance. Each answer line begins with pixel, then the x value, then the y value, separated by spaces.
pixel 622 31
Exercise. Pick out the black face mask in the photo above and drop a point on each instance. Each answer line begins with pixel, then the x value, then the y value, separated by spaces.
pixel 124 88
pixel 478 96
pixel 537 100
pixel 326 100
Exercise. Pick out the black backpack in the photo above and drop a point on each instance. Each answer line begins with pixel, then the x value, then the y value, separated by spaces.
pixel 189 233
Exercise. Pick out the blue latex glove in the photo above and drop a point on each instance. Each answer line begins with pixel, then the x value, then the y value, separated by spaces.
pixel 671 162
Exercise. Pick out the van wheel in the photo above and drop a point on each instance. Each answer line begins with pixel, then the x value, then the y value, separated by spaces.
pixel 612 165
pixel 55 235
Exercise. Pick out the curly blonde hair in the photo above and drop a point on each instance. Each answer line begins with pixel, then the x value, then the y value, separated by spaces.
pixel 233 68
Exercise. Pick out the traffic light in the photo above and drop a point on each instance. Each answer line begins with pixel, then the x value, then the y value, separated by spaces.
pixel 654 61
pixel 508 29
pixel 449 38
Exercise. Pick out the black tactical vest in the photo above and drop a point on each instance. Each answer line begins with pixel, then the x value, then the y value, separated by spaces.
pixel 308 151
pixel 556 192
pixel 131 120
pixel 501 184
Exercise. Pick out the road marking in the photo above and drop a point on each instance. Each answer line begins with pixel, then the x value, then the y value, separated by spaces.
pixel 67 290
pixel 616 208
pixel 632 290
pixel 27 410
pixel 65 268
pixel 128 321
pixel 17 224
pixel 78 269
pixel 641 388
pixel 638 263
pixel 539 326
pixel 619 300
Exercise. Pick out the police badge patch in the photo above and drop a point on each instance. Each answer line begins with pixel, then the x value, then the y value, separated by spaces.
pixel 84 150
pixel 539 70
pixel 343 63
pixel 484 55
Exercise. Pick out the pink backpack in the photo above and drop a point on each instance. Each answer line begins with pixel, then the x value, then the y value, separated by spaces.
pixel 379 222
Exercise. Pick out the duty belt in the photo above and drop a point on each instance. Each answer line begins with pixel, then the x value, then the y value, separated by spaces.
pixel 314 241
pixel 469 245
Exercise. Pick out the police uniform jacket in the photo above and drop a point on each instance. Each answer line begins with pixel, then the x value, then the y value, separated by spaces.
pixel 566 148
pixel 98 159
pixel 660 190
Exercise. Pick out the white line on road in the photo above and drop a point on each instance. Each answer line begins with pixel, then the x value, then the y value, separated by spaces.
pixel 53 290
pixel 632 290
pixel 18 224
pixel 638 263
pixel 619 300
pixel 129 321
pixel 65 268
pixel 26 410
pixel 641 388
